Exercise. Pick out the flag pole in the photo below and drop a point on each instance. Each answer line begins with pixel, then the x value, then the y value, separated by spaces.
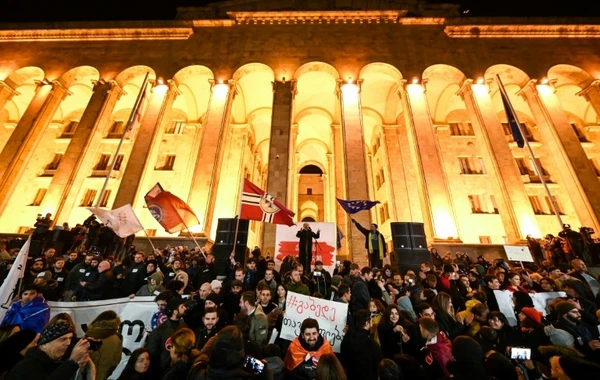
pixel 193 238
pixel 536 165
pixel 145 232
pixel 237 222
pixel 125 130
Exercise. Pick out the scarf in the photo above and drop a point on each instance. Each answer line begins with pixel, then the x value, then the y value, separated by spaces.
pixel 298 354
pixel 380 244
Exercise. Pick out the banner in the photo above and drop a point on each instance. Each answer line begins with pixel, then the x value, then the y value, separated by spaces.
pixel 330 315
pixel 518 253
pixel 17 271
pixel 286 244
pixel 540 303
pixel 135 315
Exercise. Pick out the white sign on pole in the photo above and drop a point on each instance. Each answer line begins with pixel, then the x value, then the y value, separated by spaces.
pixel 324 249
pixel 331 316
pixel 135 315
pixel 518 253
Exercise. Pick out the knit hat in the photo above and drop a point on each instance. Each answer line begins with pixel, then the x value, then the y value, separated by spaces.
pixel 559 337
pixel 577 368
pixel 215 284
pixel 214 297
pixel 173 304
pixel 45 275
pixel 563 308
pixel 532 314
pixel 465 348
pixel 54 331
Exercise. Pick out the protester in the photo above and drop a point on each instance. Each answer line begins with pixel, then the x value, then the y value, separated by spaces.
pixel 32 312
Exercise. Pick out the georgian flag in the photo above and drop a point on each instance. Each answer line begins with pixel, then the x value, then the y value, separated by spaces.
pixel 255 204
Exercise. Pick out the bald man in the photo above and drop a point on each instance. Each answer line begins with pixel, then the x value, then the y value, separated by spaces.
pixel 205 290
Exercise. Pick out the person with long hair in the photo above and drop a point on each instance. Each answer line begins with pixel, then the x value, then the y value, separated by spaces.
pixel 330 368
pixel 376 309
pixel 281 295
pixel 391 332
pixel 181 349
pixel 513 283
pixel 445 315
pixel 138 366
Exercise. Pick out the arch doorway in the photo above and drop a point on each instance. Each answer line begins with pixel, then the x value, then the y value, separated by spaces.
pixel 311 193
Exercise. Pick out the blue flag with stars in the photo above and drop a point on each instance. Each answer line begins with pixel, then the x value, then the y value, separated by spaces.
pixel 511 117
pixel 352 207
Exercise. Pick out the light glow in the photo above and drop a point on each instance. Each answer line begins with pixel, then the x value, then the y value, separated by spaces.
pixel 160 81
pixel 480 80
pixel 220 90
pixel 415 80
pixel 545 81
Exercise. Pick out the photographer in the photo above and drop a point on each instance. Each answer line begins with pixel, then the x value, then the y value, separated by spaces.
pixel 320 279
pixel 106 343
pixel 305 245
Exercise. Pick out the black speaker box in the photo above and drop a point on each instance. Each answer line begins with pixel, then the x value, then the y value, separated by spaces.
pixel 408 235
pixel 224 242
pixel 405 259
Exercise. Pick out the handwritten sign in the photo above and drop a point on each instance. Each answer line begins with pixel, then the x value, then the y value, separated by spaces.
pixel 518 253
pixel 540 303
pixel 330 315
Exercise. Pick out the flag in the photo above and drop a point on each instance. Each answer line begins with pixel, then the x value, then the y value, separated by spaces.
pixel 255 204
pixel 340 236
pixel 136 114
pixel 513 122
pixel 352 207
pixel 122 220
pixel 17 271
pixel 171 212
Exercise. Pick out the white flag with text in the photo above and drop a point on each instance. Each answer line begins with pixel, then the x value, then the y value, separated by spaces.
pixel 121 220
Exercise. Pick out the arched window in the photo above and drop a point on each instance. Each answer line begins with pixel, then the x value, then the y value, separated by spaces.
pixel 308 219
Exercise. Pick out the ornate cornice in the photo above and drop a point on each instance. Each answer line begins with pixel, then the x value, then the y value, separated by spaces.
pixel 315 17
pixel 523 31
pixel 114 34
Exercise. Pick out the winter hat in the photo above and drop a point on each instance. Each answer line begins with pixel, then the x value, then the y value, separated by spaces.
pixel 215 284
pixel 559 337
pixel 44 275
pixel 336 280
pixel 465 348
pixel 532 314
pixel 214 297
pixel 577 368
pixel 173 304
pixel 563 308
pixel 237 283
pixel 54 331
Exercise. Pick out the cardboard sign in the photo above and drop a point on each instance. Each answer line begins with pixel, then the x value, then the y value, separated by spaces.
pixel 518 253
pixel 330 315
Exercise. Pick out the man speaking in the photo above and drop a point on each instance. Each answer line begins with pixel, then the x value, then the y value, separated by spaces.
pixel 306 236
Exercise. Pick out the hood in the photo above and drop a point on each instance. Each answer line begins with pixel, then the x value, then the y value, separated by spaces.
pixel 103 329
pixel 158 277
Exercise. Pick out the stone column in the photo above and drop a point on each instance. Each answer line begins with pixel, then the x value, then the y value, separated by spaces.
pixel 591 93
pixel 60 198
pixel 440 222
pixel 511 197
pixel 395 173
pixel 574 168
pixel 281 152
pixel 356 173
pixel 342 218
pixel 6 93
pixel 204 186
pixel 332 205
pixel 232 171
pixel 155 114
pixel 24 139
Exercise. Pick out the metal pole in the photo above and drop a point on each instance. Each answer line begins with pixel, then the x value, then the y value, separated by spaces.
pixel 125 130
pixel 536 165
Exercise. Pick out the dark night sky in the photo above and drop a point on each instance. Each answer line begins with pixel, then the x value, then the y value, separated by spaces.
pixel 87 10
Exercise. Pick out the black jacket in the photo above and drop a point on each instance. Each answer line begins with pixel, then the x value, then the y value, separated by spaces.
pixel 305 244
pixel 360 355
pixel 366 232
pixel 159 356
pixel 38 365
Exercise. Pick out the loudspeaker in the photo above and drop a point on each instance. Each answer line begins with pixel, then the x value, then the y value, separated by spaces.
pixel 224 242
pixel 405 259
pixel 407 235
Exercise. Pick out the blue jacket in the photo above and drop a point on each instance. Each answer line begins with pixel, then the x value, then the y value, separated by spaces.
pixel 31 316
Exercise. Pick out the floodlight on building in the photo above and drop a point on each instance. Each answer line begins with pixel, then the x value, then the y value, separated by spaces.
pixel 480 80
pixel 160 80
pixel 415 80
pixel 220 81
pixel 350 80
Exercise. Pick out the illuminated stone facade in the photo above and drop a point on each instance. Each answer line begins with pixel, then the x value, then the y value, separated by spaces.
pixel 401 109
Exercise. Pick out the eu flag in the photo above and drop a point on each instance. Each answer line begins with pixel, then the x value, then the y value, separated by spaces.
pixel 511 117
pixel 352 207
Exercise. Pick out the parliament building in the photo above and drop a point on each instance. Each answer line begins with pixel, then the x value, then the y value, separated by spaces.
pixel 310 100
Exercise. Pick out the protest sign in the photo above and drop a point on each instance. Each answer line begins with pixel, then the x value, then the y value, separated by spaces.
pixel 135 315
pixel 540 303
pixel 286 244
pixel 518 253
pixel 330 315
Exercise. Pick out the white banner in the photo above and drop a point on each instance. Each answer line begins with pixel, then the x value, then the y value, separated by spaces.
pixel 518 253
pixel 540 303
pixel 324 249
pixel 135 315
pixel 7 290
pixel 330 315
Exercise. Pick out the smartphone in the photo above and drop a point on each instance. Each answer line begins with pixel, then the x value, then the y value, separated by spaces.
pixel 254 365
pixel 520 353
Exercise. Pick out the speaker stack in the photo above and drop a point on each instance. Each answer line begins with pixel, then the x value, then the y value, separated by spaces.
pixel 224 242
pixel 410 246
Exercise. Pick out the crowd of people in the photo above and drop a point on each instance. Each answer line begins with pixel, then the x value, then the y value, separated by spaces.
pixel 441 321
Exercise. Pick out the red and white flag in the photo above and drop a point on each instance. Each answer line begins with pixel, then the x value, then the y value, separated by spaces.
pixel 255 204
pixel 170 211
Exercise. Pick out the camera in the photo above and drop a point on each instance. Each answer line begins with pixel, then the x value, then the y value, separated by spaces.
pixel 317 274
pixel 254 365
pixel 94 344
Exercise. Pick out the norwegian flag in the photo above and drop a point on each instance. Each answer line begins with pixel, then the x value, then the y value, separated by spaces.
pixel 255 204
